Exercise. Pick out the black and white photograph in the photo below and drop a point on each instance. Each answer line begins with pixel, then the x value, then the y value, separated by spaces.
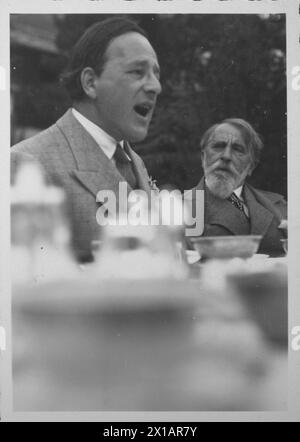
pixel 150 161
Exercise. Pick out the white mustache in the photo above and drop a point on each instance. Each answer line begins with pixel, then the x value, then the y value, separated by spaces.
pixel 219 165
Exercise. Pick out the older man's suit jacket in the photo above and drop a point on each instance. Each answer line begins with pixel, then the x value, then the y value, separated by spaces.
pixel 72 159
pixel 266 210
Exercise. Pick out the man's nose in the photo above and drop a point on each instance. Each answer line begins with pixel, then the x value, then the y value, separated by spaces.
pixel 153 84
pixel 227 153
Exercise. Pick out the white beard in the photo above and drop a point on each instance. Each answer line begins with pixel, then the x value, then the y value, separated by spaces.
pixel 220 185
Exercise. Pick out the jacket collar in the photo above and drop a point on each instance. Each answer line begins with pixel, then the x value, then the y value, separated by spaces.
pixel 93 169
pixel 222 212
pixel 261 210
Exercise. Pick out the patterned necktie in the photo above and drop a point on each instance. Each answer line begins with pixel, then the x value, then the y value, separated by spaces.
pixel 124 165
pixel 235 201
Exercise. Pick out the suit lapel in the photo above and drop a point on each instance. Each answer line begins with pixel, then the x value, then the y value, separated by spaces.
pixel 261 216
pixel 140 171
pixel 94 170
pixel 264 216
pixel 222 213
pixel 269 204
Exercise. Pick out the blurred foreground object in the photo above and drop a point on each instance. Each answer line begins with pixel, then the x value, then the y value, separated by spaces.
pixel 149 346
pixel 132 333
pixel 263 288
pixel 104 346
pixel 259 286
pixel 143 248
pixel 225 247
pixel 39 230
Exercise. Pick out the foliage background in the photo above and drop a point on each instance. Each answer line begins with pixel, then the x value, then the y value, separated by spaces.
pixel 213 67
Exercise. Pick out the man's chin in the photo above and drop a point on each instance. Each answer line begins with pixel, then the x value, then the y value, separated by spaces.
pixel 220 187
pixel 137 135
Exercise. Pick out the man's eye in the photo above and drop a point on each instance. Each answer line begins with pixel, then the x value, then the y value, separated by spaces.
pixel 239 149
pixel 218 146
pixel 137 72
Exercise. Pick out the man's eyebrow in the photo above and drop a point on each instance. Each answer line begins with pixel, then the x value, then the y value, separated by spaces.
pixel 237 143
pixel 214 141
pixel 225 140
pixel 143 63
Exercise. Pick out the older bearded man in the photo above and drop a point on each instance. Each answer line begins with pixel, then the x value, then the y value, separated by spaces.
pixel 230 152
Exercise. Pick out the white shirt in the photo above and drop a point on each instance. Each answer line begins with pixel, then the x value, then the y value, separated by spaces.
pixel 238 193
pixel 107 143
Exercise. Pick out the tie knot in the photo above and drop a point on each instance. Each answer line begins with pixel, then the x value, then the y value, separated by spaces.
pixel 235 200
pixel 120 155
pixel 125 165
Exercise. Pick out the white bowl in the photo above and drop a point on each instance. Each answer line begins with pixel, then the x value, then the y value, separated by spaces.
pixel 226 247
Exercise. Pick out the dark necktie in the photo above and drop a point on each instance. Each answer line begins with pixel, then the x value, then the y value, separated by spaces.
pixel 124 166
pixel 235 201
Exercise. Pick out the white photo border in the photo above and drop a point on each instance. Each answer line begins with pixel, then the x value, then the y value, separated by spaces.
pixel 288 7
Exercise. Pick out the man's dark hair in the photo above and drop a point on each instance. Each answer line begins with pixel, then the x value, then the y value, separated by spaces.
pixel 251 137
pixel 90 50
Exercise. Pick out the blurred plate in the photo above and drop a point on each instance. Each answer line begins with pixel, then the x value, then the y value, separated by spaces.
pixel 87 295
pixel 226 247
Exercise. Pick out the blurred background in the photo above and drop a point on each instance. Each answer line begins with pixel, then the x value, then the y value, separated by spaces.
pixel 213 67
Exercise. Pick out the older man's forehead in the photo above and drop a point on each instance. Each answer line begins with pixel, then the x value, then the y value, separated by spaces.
pixel 227 132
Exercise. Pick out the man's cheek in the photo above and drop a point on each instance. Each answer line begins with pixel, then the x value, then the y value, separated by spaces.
pixel 243 170
pixel 210 160
pixel 214 163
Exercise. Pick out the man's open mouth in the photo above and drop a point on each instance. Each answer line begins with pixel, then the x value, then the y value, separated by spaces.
pixel 143 109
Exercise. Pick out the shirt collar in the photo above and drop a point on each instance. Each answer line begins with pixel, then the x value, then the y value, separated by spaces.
pixel 239 191
pixel 239 194
pixel 103 139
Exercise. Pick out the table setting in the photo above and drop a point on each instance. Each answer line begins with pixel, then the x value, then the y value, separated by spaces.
pixel 149 325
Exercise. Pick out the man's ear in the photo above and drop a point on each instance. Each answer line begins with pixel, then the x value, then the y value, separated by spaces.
pixel 87 78
pixel 202 155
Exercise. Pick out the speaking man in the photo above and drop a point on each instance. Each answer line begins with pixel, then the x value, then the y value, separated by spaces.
pixel 113 81
pixel 230 152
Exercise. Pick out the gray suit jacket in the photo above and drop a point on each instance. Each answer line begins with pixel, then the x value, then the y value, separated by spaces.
pixel 266 210
pixel 72 159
